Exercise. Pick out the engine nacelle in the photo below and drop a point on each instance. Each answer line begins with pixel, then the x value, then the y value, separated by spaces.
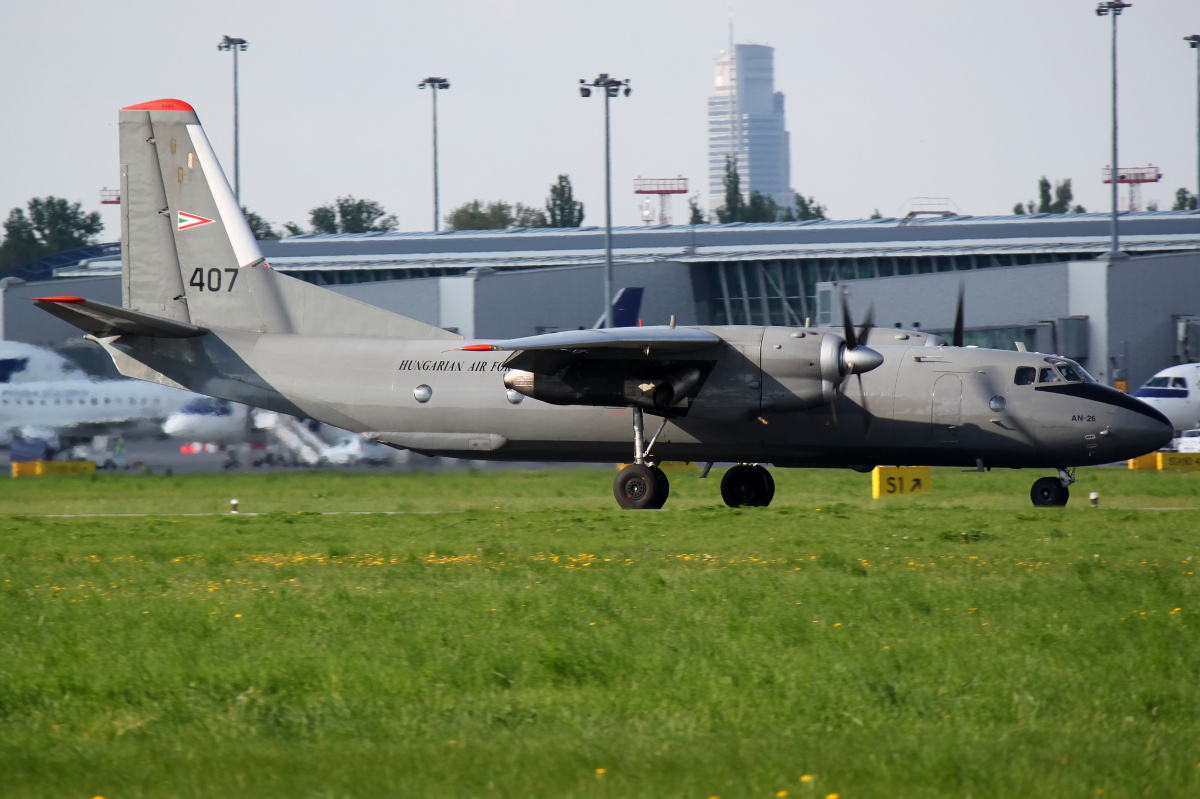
pixel 611 390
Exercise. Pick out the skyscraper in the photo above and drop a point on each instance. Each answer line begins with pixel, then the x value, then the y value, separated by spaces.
pixel 746 122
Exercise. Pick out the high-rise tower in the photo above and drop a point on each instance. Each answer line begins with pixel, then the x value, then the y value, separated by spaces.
pixel 746 121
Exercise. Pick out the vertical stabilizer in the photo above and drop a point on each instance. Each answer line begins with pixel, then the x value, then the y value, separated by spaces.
pixel 189 255
pixel 207 231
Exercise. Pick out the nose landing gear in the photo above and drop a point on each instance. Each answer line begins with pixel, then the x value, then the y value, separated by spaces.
pixel 1053 492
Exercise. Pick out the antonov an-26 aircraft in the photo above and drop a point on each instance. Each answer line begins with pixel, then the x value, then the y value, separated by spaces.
pixel 204 311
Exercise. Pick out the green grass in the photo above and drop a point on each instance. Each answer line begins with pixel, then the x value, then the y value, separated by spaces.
pixel 956 644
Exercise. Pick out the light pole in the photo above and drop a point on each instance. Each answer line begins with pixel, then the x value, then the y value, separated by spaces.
pixel 1194 43
pixel 434 84
pixel 235 45
pixel 611 88
pixel 1115 7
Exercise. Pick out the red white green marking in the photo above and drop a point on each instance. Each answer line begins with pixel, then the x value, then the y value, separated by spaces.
pixel 187 220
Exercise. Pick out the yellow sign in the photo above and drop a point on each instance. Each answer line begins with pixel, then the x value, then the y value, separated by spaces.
pixel 40 468
pixel 900 481
pixel 1170 461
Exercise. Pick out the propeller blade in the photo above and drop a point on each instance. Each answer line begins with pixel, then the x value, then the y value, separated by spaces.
pixel 847 325
pixel 958 319
pixel 868 323
pixel 868 419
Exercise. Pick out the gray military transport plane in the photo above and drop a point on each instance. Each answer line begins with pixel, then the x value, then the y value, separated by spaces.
pixel 203 311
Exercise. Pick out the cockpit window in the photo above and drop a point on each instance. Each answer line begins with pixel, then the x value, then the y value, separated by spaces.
pixel 1048 375
pixel 1025 376
pixel 1071 371
pixel 1178 382
pixel 1158 382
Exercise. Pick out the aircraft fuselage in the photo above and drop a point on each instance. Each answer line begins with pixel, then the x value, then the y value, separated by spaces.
pixel 928 405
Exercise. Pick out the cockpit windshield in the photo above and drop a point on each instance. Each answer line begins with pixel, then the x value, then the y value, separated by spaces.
pixel 1061 370
pixel 1071 371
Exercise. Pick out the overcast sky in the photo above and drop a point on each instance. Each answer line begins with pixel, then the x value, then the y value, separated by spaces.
pixel 887 100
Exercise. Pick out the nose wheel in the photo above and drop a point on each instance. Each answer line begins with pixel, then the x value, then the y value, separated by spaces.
pixel 1052 492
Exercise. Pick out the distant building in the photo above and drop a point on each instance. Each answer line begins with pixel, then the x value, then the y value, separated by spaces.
pixel 746 121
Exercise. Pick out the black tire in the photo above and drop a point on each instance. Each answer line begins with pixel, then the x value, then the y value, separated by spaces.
pixel 749 486
pixel 769 480
pixel 640 487
pixel 1049 492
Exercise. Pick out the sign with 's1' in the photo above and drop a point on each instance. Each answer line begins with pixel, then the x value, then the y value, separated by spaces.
pixel 900 481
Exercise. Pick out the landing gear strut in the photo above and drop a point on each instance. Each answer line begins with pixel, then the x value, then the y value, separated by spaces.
pixel 750 485
pixel 1053 492
pixel 641 485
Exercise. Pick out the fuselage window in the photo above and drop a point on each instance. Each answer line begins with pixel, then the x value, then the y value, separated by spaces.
pixel 1025 375
pixel 1048 375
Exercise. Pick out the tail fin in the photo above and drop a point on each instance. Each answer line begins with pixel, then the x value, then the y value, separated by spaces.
pixel 189 255
pixel 625 306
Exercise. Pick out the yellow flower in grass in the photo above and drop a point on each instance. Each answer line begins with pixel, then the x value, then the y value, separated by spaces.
pixel 601 771
pixel 806 778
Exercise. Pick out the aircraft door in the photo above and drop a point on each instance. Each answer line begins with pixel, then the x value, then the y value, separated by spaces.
pixel 946 413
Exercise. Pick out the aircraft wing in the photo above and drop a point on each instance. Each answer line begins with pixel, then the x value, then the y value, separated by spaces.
pixel 101 319
pixel 550 352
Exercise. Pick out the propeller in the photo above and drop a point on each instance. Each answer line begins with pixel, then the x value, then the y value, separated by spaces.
pixel 958 319
pixel 856 359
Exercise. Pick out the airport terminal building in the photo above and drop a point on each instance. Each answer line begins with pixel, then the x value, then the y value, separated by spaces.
pixel 1043 280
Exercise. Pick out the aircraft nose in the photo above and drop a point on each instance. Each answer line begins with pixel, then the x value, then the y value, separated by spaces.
pixel 1143 429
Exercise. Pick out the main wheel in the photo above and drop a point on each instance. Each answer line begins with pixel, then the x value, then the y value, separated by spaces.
pixel 639 487
pixel 751 486
pixel 1049 492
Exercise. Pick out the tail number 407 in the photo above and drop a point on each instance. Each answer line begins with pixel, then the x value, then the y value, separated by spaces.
pixel 212 279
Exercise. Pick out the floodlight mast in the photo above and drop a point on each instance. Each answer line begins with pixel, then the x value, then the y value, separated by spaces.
pixel 612 88
pixel 433 84
pixel 1114 7
pixel 235 45
pixel 1194 42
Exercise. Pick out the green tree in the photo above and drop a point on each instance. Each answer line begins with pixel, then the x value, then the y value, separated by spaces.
pixel 497 215
pixel 1184 201
pixel 347 215
pixel 695 215
pixel 1060 203
pixel 476 215
pixel 53 225
pixel 732 210
pixel 760 208
pixel 809 208
pixel 562 209
pixel 260 227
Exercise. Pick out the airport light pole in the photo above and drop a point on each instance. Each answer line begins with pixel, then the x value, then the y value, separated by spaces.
pixel 434 84
pixel 610 87
pixel 235 45
pixel 1194 42
pixel 1114 8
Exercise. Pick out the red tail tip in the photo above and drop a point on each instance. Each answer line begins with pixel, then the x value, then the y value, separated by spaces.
pixel 58 299
pixel 160 105
pixel 475 348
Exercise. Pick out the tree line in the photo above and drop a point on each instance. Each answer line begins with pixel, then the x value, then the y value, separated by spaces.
pixel 50 225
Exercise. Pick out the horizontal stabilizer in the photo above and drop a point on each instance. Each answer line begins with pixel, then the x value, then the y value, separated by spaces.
pixel 102 320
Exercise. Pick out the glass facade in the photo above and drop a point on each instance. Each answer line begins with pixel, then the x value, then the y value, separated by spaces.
pixel 746 122
pixel 784 291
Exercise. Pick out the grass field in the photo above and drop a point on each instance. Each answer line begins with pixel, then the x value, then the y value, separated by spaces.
pixel 529 639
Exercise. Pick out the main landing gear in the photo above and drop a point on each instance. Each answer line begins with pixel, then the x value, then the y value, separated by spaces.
pixel 1053 492
pixel 644 486
pixel 750 485
pixel 641 485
